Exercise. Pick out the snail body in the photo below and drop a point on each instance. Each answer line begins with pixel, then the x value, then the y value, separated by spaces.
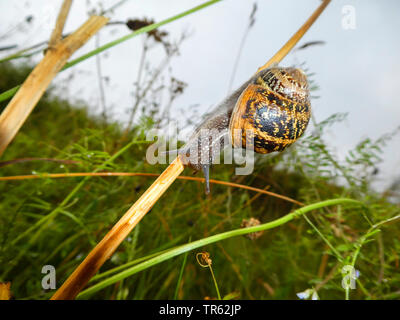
pixel 267 113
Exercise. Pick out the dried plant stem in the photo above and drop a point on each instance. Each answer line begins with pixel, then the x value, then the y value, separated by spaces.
pixel 22 104
pixel 110 242
pixel 61 19
pixel 142 174
pixel 106 247
pixel 288 46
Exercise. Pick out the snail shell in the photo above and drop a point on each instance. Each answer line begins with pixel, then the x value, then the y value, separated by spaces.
pixel 272 112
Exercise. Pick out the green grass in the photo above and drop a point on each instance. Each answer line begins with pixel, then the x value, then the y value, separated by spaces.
pixel 58 221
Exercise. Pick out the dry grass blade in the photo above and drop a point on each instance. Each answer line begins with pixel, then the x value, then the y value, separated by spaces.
pixel 143 174
pixel 61 19
pixel 22 104
pixel 288 46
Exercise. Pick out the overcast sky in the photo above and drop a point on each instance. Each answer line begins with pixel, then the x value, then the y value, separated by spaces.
pixel 357 70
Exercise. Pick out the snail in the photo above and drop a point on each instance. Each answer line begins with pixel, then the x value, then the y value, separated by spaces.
pixel 267 113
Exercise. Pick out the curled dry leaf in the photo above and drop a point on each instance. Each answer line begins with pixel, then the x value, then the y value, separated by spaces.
pixel 203 259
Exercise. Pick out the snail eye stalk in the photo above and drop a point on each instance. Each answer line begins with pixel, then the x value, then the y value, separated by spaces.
pixel 206 172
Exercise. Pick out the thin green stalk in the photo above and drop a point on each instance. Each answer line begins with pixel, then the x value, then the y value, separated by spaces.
pixel 359 244
pixel 205 241
pixel 337 254
pixel 371 231
pixel 215 283
pixel 9 93
pixel 181 273
pixel 21 55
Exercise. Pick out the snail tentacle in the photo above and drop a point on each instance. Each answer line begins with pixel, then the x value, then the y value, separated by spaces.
pixel 206 172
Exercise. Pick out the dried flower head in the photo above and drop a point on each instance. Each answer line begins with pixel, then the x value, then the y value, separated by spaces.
pixel 203 259
pixel 157 35
pixel 251 223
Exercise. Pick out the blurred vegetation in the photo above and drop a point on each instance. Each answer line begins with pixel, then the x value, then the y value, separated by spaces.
pixel 58 221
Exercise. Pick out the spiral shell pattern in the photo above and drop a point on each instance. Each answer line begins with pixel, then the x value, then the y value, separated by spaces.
pixel 272 112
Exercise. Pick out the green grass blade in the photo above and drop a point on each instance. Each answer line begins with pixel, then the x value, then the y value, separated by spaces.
pixel 206 241
pixel 181 273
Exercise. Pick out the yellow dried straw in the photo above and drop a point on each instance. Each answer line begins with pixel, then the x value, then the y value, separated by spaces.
pixel 144 174
pixel 25 100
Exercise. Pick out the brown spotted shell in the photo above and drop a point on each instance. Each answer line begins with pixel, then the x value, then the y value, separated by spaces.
pixel 272 112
